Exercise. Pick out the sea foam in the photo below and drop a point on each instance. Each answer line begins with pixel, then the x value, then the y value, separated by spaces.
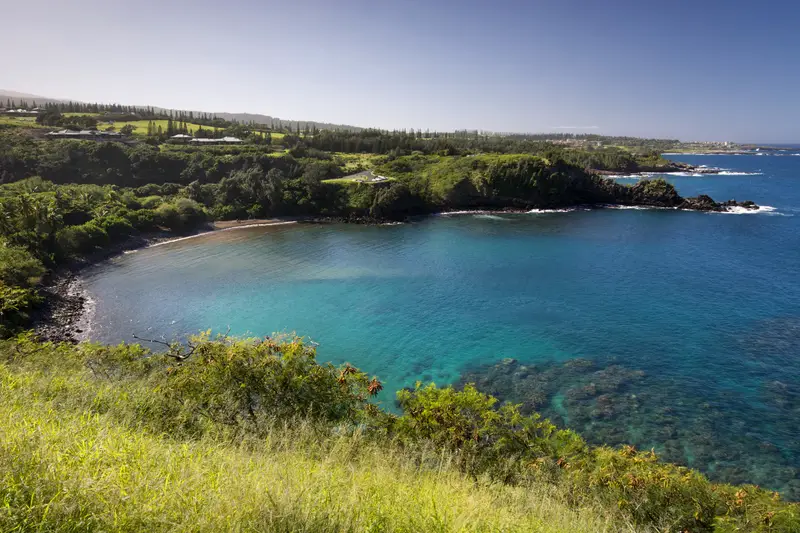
pixel 763 209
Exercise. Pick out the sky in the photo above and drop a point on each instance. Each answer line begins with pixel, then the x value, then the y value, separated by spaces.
pixel 699 70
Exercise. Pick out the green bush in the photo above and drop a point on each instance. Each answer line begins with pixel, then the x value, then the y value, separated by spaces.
pixel 486 438
pixel 116 227
pixel 181 215
pixel 151 202
pixel 499 442
pixel 77 240
pixel 15 303
pixel 18 266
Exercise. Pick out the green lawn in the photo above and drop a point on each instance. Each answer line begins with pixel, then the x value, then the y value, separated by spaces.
pixel 358 162
pixel 27 122
pixel 80 114
pixel 141 126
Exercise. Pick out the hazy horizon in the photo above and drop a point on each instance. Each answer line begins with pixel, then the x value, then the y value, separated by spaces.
pixel 710 71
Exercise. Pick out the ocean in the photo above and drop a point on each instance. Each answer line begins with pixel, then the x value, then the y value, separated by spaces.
pixel 677 331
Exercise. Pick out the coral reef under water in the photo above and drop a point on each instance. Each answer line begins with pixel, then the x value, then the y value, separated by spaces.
pixel 609 403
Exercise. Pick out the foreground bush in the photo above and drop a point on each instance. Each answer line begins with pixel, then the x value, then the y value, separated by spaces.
pixel 78 452
pixel 224 434
pixel 497 440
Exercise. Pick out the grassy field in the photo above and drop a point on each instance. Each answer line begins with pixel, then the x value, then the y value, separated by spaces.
pixel 73 459
pixel 25 122
pixel 141 126
pixel 357 162
pixel 81 114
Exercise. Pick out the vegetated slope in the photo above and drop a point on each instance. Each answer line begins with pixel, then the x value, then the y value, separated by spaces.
pixel 524 181
pixel 82 449
pixel 229 435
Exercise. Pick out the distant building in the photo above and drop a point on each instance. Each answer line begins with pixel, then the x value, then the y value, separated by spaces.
pixel 21 112
pixel 181 138
pixel 87 135
pixel 224 140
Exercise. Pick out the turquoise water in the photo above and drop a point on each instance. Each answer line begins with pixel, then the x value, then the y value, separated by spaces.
pixel 693 316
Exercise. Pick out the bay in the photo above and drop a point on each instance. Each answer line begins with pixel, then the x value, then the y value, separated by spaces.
pixel 700 311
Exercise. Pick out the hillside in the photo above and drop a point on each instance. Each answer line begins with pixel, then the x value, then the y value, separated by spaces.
pixel 231 435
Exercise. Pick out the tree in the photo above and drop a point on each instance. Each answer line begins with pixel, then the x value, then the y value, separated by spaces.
pixel 49 118
pixel 19 267
pixel 128 129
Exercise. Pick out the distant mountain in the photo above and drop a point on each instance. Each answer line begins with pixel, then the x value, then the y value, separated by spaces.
pixel 18 96
pixel 14 94
pixel 239 117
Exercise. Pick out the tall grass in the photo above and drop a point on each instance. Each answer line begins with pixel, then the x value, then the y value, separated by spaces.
pixel 255 435
pixel 72 458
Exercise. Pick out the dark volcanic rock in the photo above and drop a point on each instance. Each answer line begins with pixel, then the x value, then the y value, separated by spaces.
pixel 701 203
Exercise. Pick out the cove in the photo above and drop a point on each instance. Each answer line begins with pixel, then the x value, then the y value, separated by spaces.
pixel 695 313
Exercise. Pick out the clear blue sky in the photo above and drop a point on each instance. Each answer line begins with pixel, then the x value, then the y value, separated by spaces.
pixel 704 69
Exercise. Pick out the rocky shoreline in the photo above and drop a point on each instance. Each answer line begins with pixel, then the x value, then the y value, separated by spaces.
pixel 62 315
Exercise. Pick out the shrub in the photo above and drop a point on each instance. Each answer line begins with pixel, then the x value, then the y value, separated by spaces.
pixel 116 227
pixel 151 202
pixel 15 302
pixel 486 439
pixel 498 441
pixel 18 266
pixel 77 240
pixel 242 386
pixel 181 215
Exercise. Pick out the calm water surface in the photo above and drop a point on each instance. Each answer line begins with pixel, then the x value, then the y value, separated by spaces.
pixel 705 306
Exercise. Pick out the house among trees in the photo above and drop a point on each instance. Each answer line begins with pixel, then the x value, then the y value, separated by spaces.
pixel 181 138
pixel 86 135
pixel 22 112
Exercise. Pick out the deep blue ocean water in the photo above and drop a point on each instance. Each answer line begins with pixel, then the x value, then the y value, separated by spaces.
pixel 707 306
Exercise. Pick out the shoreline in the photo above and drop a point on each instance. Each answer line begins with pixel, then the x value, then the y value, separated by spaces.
pixel 65 314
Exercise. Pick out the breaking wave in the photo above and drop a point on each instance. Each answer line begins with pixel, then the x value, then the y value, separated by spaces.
pixel 763 209
pixel 561 210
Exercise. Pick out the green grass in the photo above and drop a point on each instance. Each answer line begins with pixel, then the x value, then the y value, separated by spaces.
pixel 25 122
pixel 73 459
pixel 256 435
pixel 141 126
pixel 81 114
pixel 353 163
